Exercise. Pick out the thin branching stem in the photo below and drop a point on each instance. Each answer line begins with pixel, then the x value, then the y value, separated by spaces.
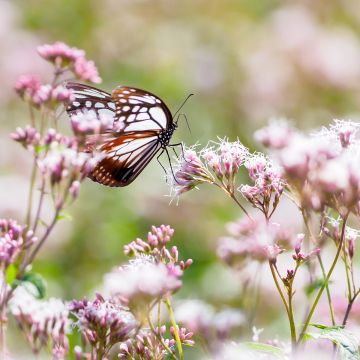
pixel 175 327
pixel 312 309
pixel 159 337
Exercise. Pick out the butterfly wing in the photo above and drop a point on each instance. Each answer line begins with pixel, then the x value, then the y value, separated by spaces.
pixel 88 99
pixel 138 110
pixel 125 158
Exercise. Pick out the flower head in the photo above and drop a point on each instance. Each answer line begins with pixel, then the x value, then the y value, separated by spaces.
pixel 27 85
pixel 12 240
pixel 94 318
pixel 64 56
pixel 258 241
pixel 142 281
pixel 45 322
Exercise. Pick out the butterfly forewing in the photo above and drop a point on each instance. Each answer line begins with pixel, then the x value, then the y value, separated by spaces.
pixel 139 110
pixel 89 99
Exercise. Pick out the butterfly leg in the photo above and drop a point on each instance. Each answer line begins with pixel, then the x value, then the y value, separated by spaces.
pixel 172 170
pixel 157 158
pixel 182 150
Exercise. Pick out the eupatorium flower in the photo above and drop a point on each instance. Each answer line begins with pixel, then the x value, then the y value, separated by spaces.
pixel 146 346
pixel 44 322
pixel 64 56
pixel 12 241
pixel 103 320
pixel 255 240
pixel 90 123
pixel 216 162
pixel 321 168
pixel 27 86
pixel 155 245
pixel 201 318
pixel 267 184
pixel 142 281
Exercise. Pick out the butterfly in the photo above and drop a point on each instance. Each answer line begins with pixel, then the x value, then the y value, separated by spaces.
pixel 142 126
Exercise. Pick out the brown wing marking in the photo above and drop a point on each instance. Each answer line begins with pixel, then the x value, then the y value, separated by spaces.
pixel 126 157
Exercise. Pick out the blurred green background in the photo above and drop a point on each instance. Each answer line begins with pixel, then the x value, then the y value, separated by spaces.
pixel 245 60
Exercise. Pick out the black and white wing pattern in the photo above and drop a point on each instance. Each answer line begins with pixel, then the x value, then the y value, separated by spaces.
pixel 142 126
pixel 88 99
pixel 139 110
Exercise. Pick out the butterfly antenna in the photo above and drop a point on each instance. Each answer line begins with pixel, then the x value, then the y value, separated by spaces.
pixel 189 96
pixel 187 123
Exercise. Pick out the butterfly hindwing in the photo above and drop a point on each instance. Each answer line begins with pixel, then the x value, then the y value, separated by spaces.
pixel 125 157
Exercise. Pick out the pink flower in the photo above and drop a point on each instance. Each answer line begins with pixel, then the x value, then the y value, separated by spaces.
pixel 27 85
pixel 46 323
pixel 27 137
pixel 103 320
pixel 260 241
pixel 12 241
pixel 86 70
pixel 142 281
pixel 60 53
pixel 73 58
pixel 90 123
pixel 276 135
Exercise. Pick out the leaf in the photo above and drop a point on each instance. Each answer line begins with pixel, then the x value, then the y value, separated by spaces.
pixel 316 285
pixel 11 273
pixel 347 342
pixel 64 216
pixel 265 348
pixel 38 281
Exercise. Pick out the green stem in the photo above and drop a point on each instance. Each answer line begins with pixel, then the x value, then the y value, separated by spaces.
pixel 313 239
pixel 347 274
pixel 159 337
pixel 288 308
pixel 291 318
pixel 307 322
pixel 30 196
pixel 176 330
pixel 327 290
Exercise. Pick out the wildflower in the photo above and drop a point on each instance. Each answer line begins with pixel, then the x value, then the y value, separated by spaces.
pixel 73 58
pixel 12 241
pixel 27 85
pixel 299 256
pixel 102 321
pixel 341 132
pixel 44 322
pixel 261 242
pixel 268 184
pixel 190 172
pixel 155 247
pixel 64 161
pixel 142 281
pixel 219 161
pixel 28 137
pixel 86 70
pixel 201 319
pixel 185 337
pixel 90 123
pixel 276 135
pixel 146 345
pixel 51 96
pixel 60 53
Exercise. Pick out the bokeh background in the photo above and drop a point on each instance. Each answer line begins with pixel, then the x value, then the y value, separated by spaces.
pixel 246 61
